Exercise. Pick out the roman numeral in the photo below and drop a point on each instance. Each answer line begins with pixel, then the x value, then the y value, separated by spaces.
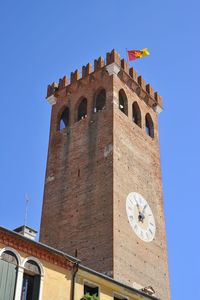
pixel 150 231
pixel 130 200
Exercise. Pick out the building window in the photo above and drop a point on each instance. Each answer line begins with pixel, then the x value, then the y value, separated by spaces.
pixel 119 297
pixel 8 275
pixel 82 110
pixel 31 281
pixel 149 125
pixel 91 290
pixel 123 103
pixel 136 114
pixel 100 101
pixel 64 119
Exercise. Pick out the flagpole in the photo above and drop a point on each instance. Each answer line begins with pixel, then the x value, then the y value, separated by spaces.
pixel 127 54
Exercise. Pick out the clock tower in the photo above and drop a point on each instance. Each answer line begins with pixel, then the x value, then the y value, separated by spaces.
pixel 103 196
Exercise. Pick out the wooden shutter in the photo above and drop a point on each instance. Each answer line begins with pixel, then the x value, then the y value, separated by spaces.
pixel 36 287
pixel 8 275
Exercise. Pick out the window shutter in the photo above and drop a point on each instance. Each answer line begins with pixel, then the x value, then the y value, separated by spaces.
pixel 8 274
pixel 36 287
pixel 3 273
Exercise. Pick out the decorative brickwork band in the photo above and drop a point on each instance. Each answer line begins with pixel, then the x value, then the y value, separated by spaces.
pixel 34 249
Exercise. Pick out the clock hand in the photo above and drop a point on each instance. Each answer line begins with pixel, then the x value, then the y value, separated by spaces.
pixel 141 215
pixel 144 208
pixel 138 207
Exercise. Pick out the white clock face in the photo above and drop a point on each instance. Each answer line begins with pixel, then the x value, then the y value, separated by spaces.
pixel 140 217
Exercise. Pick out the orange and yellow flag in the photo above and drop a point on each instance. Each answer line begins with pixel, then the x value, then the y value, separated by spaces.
pixel 134 54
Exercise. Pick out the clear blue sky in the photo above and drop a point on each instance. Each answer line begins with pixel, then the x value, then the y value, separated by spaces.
pixel 42 41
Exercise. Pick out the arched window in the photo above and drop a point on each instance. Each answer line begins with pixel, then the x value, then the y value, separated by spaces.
pixel 8 275
pixel 31 281
pixel 123 103
pixel 100 101
pixel 136 114
pixel 64 119
pixel 149 125
pixel 82 110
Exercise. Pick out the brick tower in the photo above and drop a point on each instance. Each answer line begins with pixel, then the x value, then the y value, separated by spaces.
pixel 103 189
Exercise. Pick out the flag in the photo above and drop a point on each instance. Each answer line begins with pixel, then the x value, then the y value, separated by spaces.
pixel 134 54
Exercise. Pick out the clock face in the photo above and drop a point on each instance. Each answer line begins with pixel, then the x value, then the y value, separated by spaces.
pixel 140 217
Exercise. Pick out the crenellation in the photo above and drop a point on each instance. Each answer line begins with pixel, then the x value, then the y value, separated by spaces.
pixel 99 63
pixel 133 74
pixel 113 57
pixel 86 70
pixel 150 101
pixel 63 82
pixel 128 75
pixel 142 82
pixel 158 99
pixel 75 76
pixel 51 89
pixel 150 90
pixel 125 65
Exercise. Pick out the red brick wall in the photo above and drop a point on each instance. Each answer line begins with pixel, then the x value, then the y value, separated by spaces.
pixel 86 211
pixel 77 209
pixel 137 169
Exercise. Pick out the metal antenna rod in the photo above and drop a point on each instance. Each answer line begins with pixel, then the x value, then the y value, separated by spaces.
pixel 26 209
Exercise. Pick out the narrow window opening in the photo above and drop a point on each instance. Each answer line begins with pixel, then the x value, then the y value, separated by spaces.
pixel 76 253
pixel 78 172
pixel 27 287
pixel 64 119
pixel 149 126
pixel 31 281
pixel 136 114
pixel 91 290
pixel 82 110
pixel 100 101
pixel 123 103
pixel 147 129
